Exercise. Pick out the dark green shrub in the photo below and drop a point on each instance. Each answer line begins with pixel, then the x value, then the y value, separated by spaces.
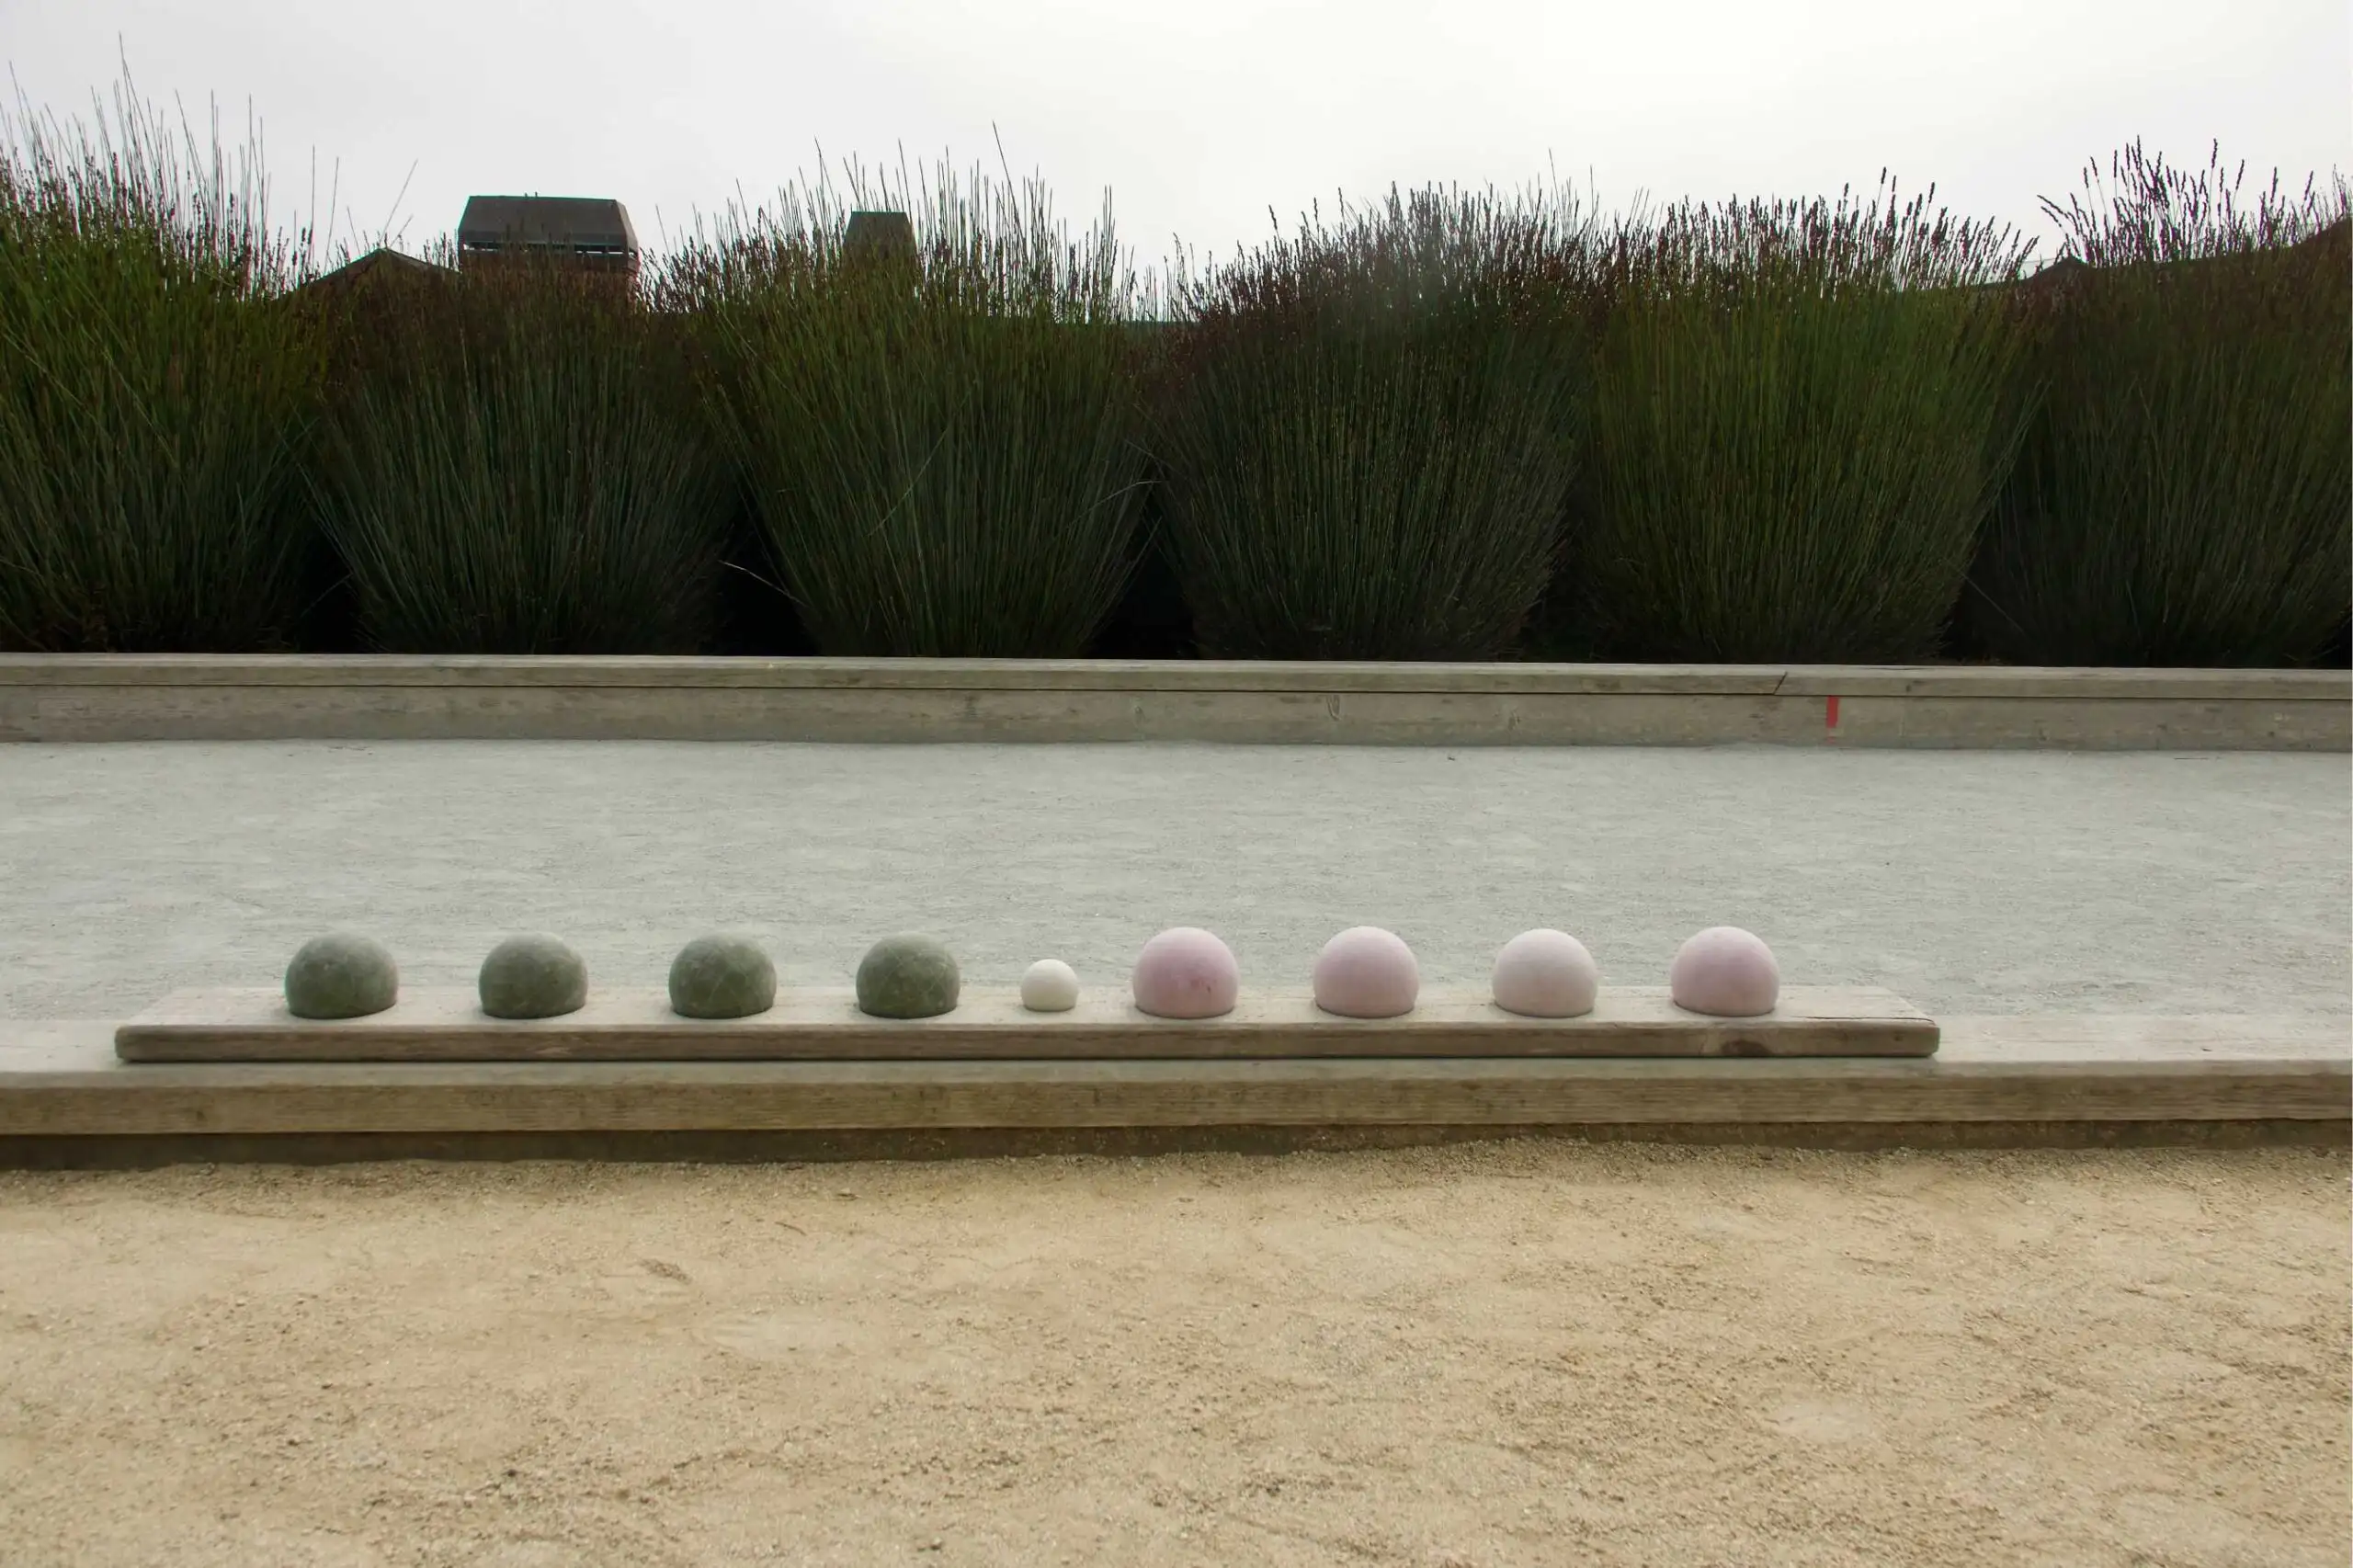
pixel 155 387
pixel 1799 417
pixel 1151 619
pixel 2184 495
pixel 1369 429
pixel 514 465
pixel 940 447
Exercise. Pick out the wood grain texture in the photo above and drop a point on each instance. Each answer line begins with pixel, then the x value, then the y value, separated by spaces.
pixel 156 1151
pixel 867 675
pixel 894 716
pixel 2152 1038
pixel 447 1025
pixel 62 1080
pixel 68 698
pixel 400 670
pixel 267 1097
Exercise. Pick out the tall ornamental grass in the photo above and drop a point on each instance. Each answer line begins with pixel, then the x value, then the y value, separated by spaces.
pixel 1802 410
pixel 2185 493
pixel 940 447
pixel 1369 429
pixel 514 465
pixel 154 388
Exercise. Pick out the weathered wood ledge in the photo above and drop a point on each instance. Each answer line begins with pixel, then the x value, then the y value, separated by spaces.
pixel 68 698
pixel 1995 1081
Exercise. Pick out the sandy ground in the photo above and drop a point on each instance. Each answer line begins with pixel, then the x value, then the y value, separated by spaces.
pixel 1969 882
pixel 1536 1353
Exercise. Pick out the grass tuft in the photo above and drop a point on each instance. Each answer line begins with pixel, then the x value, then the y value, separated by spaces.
pixel 1802 412
pixel 2184 495
pixel 940 447
pixel 513 465
pixel 1370 429
pixel 154 388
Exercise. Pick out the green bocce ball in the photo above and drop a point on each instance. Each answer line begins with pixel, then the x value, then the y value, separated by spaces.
pixel 533 977
pixel 907 977
pixel 341 976
pixel 722 977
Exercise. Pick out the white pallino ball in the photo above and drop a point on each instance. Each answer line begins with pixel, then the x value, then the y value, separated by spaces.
pixel 1050 987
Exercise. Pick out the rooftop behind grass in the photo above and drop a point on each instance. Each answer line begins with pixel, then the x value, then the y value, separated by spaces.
pixel 941 450
pixel 2185 492
pixel 1370 428
pixel 153 391
pixel 1800 414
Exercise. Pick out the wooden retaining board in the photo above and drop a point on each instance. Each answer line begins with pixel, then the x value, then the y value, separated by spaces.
pixel 819 1026
pixel 124 1099
pixel 122 696
pixel 61 1081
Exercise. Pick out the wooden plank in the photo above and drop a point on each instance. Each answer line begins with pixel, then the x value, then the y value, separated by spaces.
pixel 1212 676
pixel 447 1025
pixel 2018 682
pixel 955 676
pixel 2151 1038
pixel 494 1096
pixel 62 1080
pixel 1298 714
pixel 896 715
pixel 2091 723
pixel 118 1151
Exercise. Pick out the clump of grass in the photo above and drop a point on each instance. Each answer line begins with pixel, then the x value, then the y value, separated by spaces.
pixel 1370 427
pixel 154 388
pixel 2183 493
pixel 1800 416
pixel 940 447
pixel 513 465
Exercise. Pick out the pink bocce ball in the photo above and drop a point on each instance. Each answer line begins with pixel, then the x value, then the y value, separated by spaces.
pixel 1367 973
pixel 1546 974
pixel 1725 972
pixel 1186 972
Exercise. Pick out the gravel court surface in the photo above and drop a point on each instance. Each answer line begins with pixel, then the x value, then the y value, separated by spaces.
pixel 1969 882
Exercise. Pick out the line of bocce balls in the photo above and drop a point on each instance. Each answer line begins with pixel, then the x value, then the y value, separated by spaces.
pixel 1184 972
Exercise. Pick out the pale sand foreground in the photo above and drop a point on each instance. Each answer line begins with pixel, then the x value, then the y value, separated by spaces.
pixel 1516 1353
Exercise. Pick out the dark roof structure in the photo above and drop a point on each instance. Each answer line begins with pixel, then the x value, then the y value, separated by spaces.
pixel 879 234
pixel 585 226
pixel 380 267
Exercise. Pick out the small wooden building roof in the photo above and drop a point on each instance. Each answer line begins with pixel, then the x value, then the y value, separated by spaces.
pixel 379 266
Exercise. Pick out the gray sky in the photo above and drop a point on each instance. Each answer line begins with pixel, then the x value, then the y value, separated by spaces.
pixel 1202 114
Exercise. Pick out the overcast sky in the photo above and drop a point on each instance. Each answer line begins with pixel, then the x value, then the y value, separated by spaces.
pixel 1201 114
